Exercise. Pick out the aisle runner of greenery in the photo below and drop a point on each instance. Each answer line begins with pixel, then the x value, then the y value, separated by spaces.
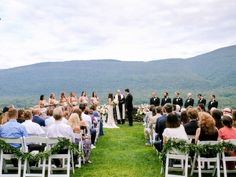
pixel 122 153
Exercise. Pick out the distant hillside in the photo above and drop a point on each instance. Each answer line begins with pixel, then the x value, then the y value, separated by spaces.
pixel 212 72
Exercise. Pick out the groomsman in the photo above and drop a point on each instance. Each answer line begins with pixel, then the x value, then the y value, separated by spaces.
pixel 201 99
pixel 129 106
pixel 213 103
pixel 120 107
pixel 189 101
pixel 166 99
pixel 178 100
pixel 154 100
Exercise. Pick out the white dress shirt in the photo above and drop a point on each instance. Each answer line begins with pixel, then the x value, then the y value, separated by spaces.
pixel 60 129
pixel 33 128
pixel 87 119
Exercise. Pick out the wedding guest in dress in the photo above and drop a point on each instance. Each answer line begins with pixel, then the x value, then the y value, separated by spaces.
pixel 184 119
pixel 228 132
pixel 154 100
pixel 178 100
pixel 21 117
pixel 147 129
pixel 189 101
pixel 217 114
pixel 192 125
pixel 94 99
pixel 174 128
pixel 110 119
pixel 129 106
pixel 165 99
pixel 213 103
pixel 207 130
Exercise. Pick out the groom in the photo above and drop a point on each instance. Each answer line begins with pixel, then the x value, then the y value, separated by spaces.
pixel 120 107
pixel 129 106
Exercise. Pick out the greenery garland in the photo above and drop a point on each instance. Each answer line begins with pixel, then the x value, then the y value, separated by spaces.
pixel 62 144
pixel 203 149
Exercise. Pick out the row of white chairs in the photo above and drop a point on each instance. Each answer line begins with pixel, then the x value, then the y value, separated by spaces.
pixel 202 162
pixel 40 170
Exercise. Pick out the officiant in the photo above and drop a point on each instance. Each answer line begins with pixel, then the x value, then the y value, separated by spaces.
pixel 119 100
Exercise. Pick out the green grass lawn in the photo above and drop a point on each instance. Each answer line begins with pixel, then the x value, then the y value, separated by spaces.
pixel 122 153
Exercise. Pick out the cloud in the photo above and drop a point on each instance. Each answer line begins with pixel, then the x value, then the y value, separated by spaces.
pixel 38 31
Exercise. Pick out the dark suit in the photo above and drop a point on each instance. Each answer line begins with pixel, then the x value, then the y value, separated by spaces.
pixel 191 127
pixel 165 100
pixel 160 126
pixel 178 101
pixel 212 104
pixel 155 101
pixel 202 101
pixel 189 102
pixel 129 108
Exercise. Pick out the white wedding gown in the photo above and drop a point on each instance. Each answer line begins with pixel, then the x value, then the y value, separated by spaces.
pixel 110 120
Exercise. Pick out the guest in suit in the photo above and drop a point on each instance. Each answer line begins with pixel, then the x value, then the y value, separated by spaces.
pixel 189 101
pixel 213 103
pixel 166 99
pixel 178 100
pixel 154 100
pixel 201 100
pixel 129 106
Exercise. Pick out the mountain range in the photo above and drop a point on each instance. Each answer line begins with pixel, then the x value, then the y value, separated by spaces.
pixel 210 73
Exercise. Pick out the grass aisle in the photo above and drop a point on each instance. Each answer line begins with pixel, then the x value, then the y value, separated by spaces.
pixel 122 153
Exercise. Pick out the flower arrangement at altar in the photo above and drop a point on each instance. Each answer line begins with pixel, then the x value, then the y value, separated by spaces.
pixel 142 109
pixel 103 109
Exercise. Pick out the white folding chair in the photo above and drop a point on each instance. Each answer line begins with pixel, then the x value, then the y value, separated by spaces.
pixel 228 159
pixel 80 158
pixel 4 156
pixel 66 158
pixel 201 160
pixel 41 166
pixel 182 157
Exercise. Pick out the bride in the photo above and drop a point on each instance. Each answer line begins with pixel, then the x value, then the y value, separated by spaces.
pixel 110 120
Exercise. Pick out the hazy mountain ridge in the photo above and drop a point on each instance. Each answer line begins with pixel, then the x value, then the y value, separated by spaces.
pixel 214 71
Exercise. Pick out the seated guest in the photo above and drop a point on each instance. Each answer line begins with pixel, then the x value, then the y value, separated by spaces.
pixel 88 121
pixel 174 129
pixel 227 111
pixel 216 114
pixel 49 119
pixel 32 128
pixel 147 129
pixel 74 122
pixel 234 118
pixel 161 125
pixel 201 107
pixel 4 115
pixel 36 117
pixel 97 115
pixel 226 133
pixel 20 118
pixel 60 129
pixel 192 126
pixel 12 129
pixel 184 117
pixel 207 130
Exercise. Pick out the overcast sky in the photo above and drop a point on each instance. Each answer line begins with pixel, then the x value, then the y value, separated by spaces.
pixel 58 30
